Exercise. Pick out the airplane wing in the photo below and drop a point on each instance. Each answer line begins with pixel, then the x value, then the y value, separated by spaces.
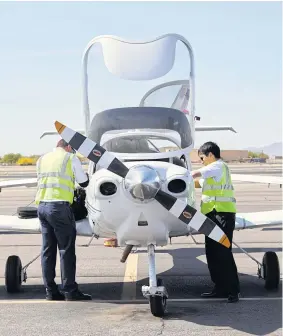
pixel 29 182
pixel 249 220
pixel 257 178
pixel 214 128
pixel 32 225
pixel 244 221
pixel 262 219
pixel 56 133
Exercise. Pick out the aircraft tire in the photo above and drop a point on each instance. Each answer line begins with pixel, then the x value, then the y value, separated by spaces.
pixel 13 279
pixel 158 303
pixel 271 270
pixel 27 212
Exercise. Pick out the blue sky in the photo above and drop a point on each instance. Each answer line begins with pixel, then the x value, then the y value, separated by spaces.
pixel 238 56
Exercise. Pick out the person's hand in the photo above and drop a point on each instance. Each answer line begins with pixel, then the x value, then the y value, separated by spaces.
pixel 195 173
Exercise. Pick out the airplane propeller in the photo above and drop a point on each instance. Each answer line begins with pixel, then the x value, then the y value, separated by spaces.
pixel 181 210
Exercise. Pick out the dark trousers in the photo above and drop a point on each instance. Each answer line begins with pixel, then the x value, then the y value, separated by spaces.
pixel 220 260
pixel 58 229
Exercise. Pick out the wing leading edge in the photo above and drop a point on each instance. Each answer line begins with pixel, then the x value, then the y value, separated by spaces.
pixel 257 178
pixel 250 220
pixel 32 225
pixel 29 182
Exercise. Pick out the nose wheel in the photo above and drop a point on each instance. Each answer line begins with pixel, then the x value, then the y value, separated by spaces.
pixel 158 303
pixel 156 293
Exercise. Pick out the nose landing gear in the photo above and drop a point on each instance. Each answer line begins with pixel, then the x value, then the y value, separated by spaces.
pixel 156 293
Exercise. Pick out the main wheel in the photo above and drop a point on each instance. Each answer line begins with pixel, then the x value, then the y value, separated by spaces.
pixel 271 270
pixel 158 303
pixel 13 278
pixel 27 212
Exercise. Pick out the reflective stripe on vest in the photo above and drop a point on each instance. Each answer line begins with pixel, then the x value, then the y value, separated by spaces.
pixel 206 199
pixel 65 177
pixel 52 174
pixel 218 195
pixel 218 187
pixel 58 184
pixel 54 185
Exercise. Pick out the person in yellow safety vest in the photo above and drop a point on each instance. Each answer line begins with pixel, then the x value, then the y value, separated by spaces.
pixel 219 204
pixel 56 173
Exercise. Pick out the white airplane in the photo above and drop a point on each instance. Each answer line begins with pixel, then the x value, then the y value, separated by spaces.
pixel 138 193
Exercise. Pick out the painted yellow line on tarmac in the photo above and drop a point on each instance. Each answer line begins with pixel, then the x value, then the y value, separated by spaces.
pixel 130 277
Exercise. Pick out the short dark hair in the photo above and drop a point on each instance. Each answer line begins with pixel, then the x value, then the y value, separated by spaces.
pixel 210 147
pixel 62 143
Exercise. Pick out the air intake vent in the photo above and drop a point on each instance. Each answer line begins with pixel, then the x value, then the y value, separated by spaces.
pixel 177 186
pixel 108 188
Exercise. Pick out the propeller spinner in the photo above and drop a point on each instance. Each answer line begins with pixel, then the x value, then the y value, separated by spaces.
pixel 143 189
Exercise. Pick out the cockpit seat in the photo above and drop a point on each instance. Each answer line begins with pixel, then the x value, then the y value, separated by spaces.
pixel 178 162
pixel 127 145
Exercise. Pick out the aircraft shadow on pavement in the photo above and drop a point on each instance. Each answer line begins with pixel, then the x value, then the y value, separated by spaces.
pixel 185 285
pixel 188 278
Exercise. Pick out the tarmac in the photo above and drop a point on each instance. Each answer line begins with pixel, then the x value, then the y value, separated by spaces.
pixel 118 307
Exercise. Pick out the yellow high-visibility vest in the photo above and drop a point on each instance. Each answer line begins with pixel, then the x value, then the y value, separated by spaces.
pixel 218 195
pixel 56 179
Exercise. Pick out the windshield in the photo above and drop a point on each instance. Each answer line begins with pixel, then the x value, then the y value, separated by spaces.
pixel 173 94
pixel 136 144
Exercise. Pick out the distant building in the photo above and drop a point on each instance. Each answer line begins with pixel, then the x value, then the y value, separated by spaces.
pixel 227 155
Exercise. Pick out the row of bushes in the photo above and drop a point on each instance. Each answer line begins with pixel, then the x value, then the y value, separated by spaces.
pixel 18 159
pixel 12 158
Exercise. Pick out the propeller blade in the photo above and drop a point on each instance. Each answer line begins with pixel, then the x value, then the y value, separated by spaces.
pixel 192 217
pixel 176 207
pixel 91 150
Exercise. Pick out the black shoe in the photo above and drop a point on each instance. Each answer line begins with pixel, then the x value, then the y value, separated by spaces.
pixel 213 294
pixel 57 296
pixel 233 298
pixel 77 296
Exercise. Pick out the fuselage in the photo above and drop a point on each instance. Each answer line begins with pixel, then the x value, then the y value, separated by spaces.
pixel 135 218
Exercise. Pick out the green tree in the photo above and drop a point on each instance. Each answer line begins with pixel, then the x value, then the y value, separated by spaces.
pixel 252 155
pixel 11 158
pixel 258 155
pixel 263 155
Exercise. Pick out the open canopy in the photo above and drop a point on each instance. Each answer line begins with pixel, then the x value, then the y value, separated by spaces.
pixel 149 120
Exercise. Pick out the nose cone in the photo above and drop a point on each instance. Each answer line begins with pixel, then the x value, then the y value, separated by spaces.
pixel 142 182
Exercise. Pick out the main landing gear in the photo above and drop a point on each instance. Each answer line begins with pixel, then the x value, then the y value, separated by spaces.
pixel 15 274
pixel 268 270
pixel 156 293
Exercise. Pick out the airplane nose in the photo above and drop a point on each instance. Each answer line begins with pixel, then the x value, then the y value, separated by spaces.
pixel 142 182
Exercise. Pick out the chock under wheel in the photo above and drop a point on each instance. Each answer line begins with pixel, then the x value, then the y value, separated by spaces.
pixel 111 242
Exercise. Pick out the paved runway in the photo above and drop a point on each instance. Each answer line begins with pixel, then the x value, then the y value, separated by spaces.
pixel 119 308
pixel 16 172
